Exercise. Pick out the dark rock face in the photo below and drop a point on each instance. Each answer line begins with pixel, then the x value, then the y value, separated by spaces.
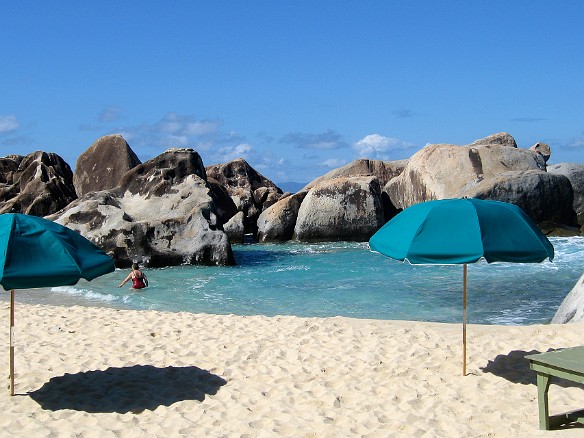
pixel 224 205
pixel 545 197
pixel 157 177
pixel 341 209
pixel 102 165
pixel 39 184
pixel 161 214
pixel 575 173
pixel 251 192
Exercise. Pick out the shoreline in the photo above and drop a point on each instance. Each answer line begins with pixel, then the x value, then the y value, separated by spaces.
pixel 90 371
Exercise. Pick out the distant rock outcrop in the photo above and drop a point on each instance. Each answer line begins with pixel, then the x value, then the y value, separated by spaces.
pixel 102 165
pixel 575 173
pixel 162 213
pixel 572 307
pixel 38 184
pixel 345 208
pixel 251 192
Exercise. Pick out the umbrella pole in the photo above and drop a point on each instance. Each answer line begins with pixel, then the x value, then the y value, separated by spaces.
pixel 464 321
pixel 11 346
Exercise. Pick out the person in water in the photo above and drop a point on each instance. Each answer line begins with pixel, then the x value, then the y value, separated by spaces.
pixel 139 280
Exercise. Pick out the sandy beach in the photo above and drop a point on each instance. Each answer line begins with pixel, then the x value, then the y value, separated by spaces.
pixel 97 372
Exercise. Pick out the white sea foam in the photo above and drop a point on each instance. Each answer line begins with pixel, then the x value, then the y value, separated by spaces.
pixel 293 268
pixel 86 293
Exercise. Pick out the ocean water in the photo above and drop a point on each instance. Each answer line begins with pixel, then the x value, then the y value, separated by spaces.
pixel 342 278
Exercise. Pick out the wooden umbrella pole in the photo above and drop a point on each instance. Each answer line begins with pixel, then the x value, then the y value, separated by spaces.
pixel 11 345
pixel 464 321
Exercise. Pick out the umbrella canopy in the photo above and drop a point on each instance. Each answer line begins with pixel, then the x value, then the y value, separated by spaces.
pixel 457 231
pixel 461 231
pixel 36 252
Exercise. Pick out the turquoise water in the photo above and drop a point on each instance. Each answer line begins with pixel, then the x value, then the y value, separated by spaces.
pixel 343 278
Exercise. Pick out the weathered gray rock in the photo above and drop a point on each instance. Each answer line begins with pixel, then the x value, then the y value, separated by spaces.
pixel 545 197
pixel 572 307
pixel 38 184
pixel 234 228
pixel 224 205
pixel 251 191
pixel 102 165
pixel 543 149
pixel 8 167
pixel 161 214
pixel 575 173
pixel 277 222
pixel 487 171
pixel 444 171
pixel 383 170
pixel 340 209
pixel 499 139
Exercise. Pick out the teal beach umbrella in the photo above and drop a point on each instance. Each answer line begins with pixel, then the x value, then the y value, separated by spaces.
pixel 35 252
pixel 462 231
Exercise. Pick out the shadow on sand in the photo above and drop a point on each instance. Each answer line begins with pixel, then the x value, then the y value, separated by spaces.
pixel 515 368
pixel 128 389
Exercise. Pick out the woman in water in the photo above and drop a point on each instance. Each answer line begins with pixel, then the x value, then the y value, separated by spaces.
pixel 138 278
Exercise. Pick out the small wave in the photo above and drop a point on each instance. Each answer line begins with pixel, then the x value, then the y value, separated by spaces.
pixel 85 293
pixel 293 268
pixel 69 290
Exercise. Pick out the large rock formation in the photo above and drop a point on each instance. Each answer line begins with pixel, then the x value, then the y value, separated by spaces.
pixel 102 165
pixel 572 308
pixel 251 192
pixel 383 170
pixel 161 214
pixel 345 208
pixel 575 173
pixel 545 197
pixel 38 184
pixel 490 168
pixel 276 223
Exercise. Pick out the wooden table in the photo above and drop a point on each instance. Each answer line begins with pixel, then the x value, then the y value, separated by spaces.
pixel 567 364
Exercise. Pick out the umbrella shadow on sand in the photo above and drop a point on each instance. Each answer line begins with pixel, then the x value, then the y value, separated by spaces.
pixel 128 389
pixel 514 367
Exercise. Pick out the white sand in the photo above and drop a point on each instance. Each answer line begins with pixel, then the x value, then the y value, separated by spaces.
pixel 88 372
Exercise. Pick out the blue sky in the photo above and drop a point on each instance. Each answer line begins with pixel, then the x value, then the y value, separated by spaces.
pixel 294 87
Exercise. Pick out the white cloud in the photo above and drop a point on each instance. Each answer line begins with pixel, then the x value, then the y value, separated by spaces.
pixel 378 147
pixel 8 123
pixel 229 153
pixel 110 114
pixel 179 140
pixel 334 162
pixel 325 140
pixel 186 125
pixel 576 143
